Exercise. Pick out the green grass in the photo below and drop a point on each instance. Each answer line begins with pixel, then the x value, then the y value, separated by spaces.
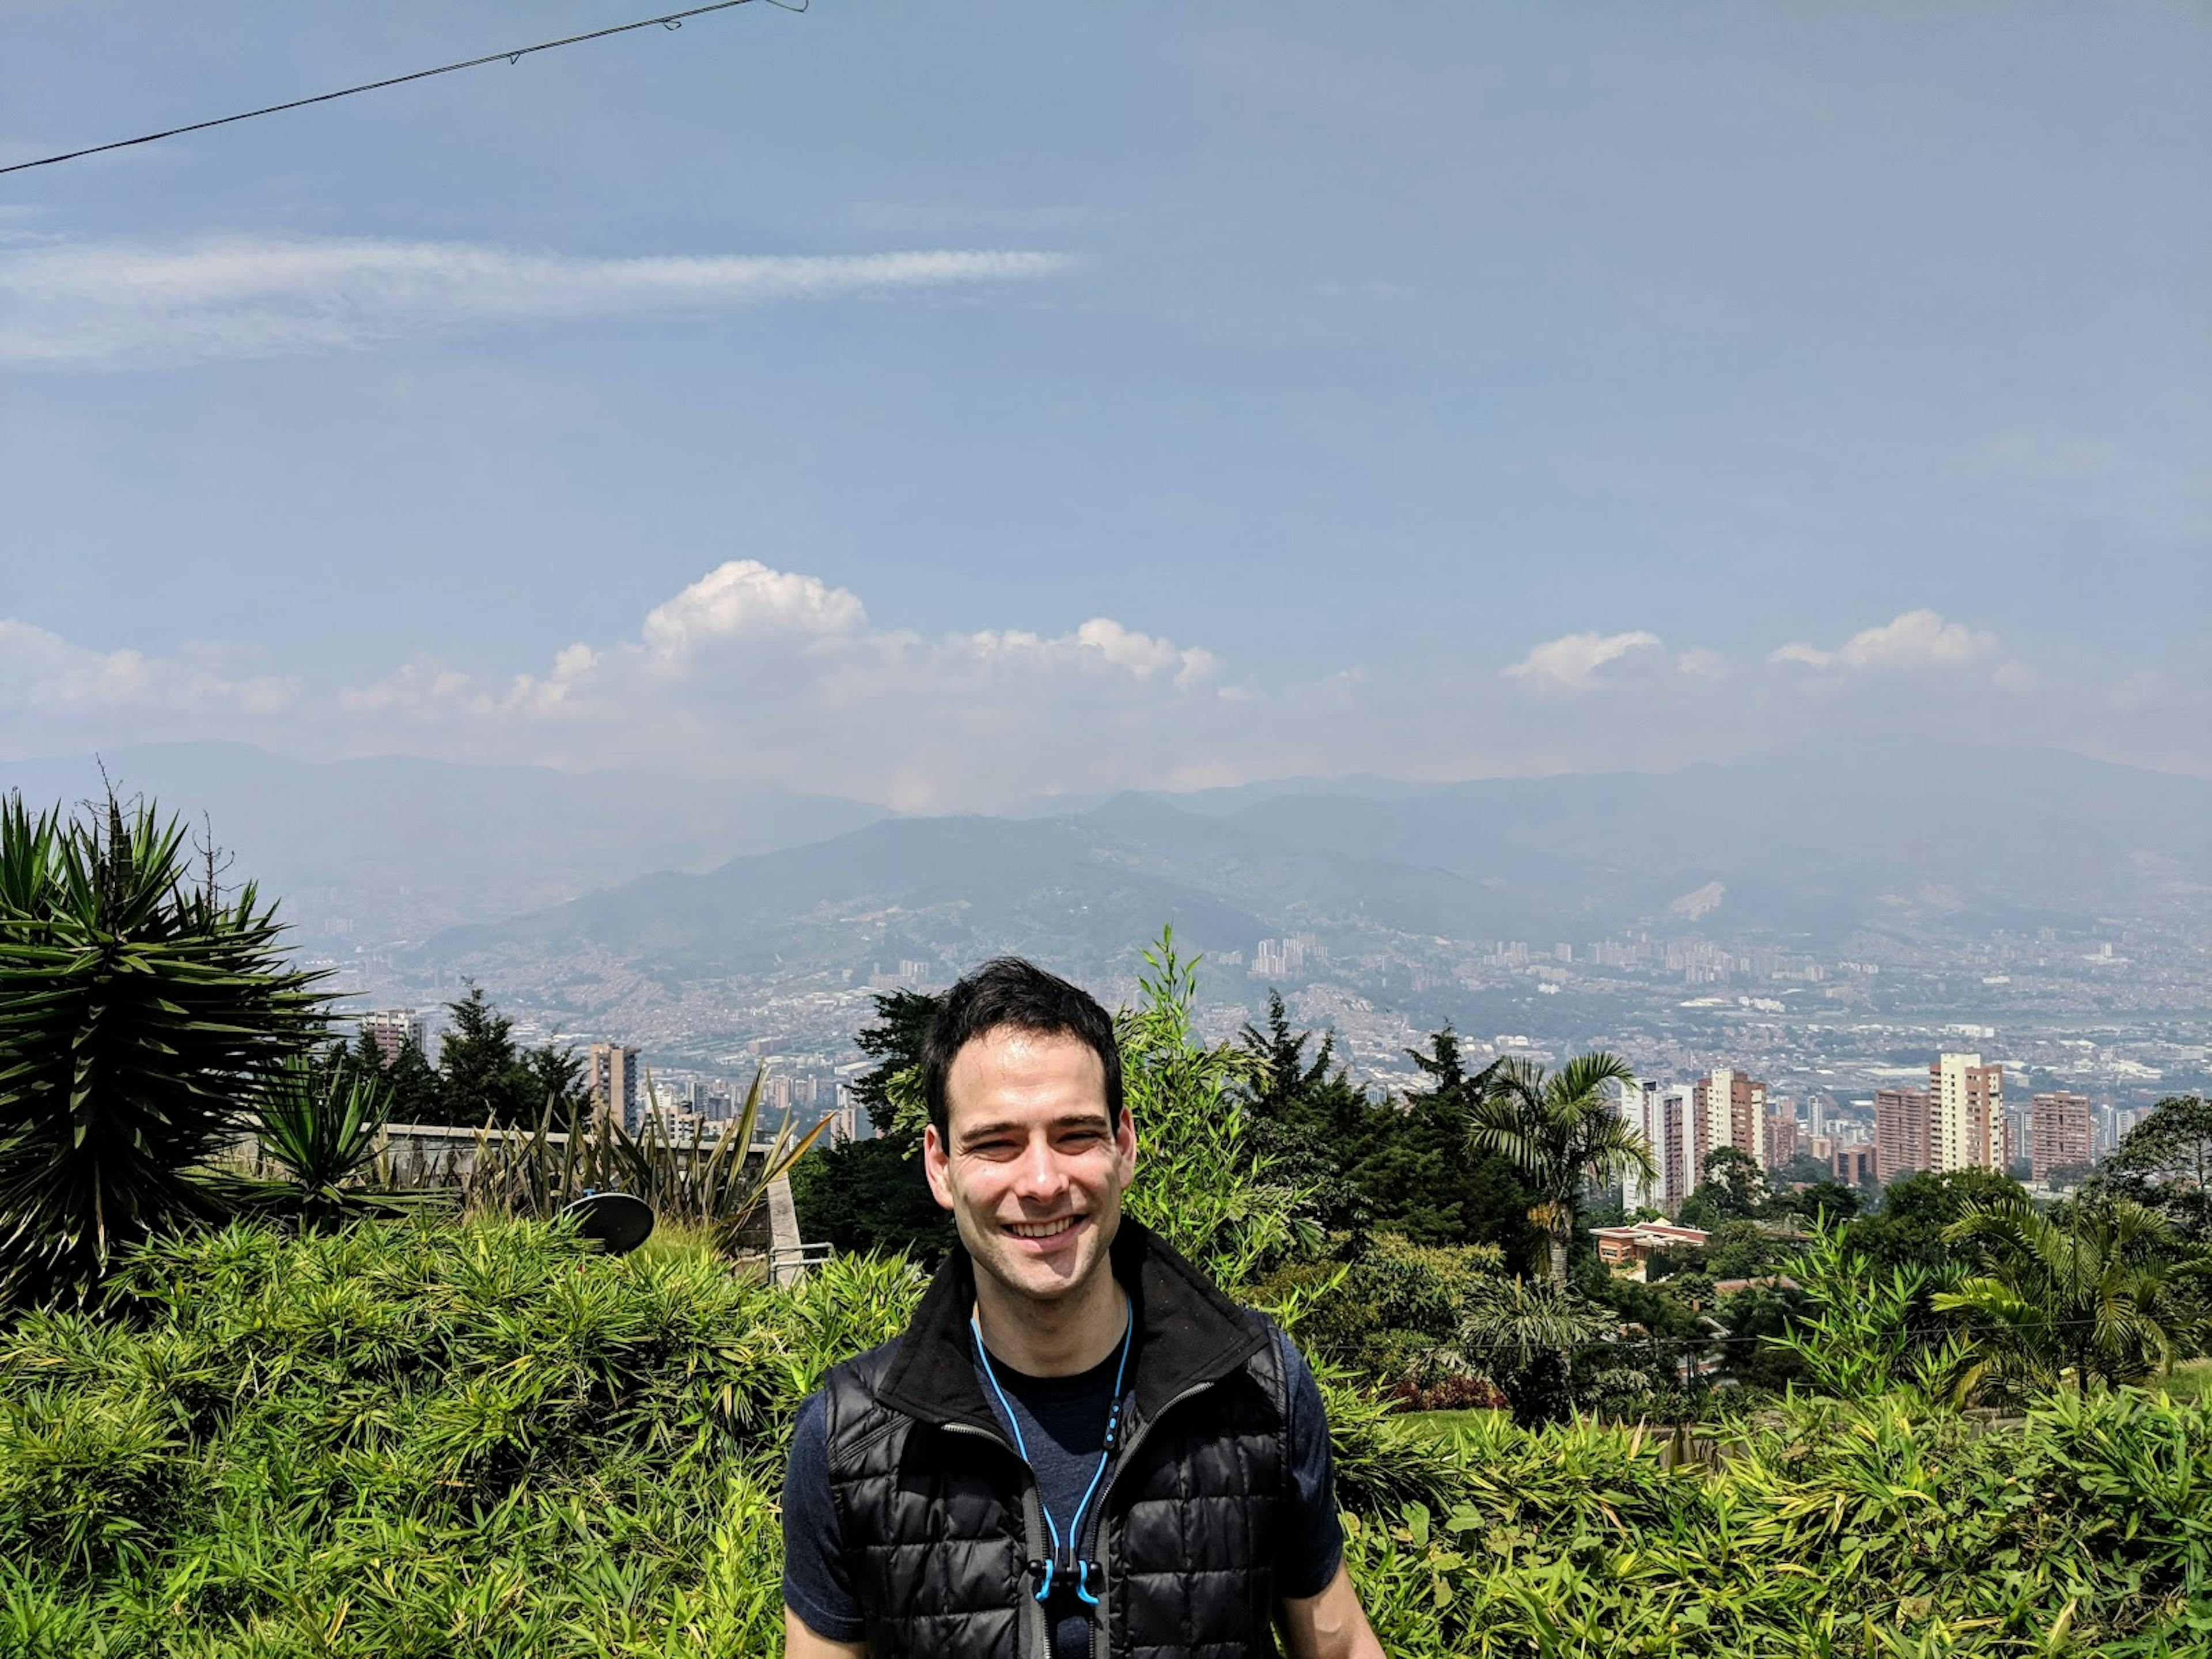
pixel 2191 1379
pixel 1452 1428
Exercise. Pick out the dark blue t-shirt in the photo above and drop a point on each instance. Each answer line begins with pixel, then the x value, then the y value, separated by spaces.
pixel 1063 1423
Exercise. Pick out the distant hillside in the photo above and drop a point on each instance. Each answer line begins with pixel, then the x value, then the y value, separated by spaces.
pixel 1794 843
pixel 456 842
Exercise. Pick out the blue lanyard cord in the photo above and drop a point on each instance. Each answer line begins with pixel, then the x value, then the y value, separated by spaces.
pixel 1113 1422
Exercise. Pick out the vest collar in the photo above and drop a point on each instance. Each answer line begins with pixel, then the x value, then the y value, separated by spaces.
pixel 1189 1335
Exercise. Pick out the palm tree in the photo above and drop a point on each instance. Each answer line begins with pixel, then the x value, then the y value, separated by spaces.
pixel 1559 1130
pixel 2094 1294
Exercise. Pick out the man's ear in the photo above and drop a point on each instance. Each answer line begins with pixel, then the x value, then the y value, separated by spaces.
pixel 1124 1140
pixel 937 1167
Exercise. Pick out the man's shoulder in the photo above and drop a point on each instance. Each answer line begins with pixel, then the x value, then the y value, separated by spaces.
pixel 849 1390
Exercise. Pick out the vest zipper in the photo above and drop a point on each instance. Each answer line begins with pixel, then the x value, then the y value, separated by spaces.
pixel 1101 1639
pixel 1036 1636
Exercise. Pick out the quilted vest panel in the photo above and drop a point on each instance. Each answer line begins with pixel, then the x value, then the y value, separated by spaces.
pixel 938 1524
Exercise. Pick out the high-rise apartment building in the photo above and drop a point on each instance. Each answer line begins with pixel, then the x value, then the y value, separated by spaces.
pixel 1966 1114
pixel 611 1073
pixel 1668 1118
pixel 392 1029
pixel 1734 1108
pixel 2058 1134
pixel 1901 1133
pixel 1781 1137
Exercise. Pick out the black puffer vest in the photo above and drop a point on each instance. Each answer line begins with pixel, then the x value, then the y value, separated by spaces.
pixel 939 1518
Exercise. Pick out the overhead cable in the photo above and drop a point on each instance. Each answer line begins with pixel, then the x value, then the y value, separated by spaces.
pixel 673 20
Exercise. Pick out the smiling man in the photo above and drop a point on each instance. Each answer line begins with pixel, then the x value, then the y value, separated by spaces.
pixel 1080 1447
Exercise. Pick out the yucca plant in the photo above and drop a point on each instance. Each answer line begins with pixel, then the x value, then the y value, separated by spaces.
pixel 319 1125
pixel 138 1011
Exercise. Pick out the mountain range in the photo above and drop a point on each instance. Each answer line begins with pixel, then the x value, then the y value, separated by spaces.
pixel 1806 844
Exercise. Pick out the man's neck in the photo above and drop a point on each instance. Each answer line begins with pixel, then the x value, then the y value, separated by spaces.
pixel 1059 1338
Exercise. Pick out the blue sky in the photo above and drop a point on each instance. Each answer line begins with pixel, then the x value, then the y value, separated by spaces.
pixel 943 404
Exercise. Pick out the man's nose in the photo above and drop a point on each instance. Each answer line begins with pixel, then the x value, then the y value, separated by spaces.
pixel 1040 1176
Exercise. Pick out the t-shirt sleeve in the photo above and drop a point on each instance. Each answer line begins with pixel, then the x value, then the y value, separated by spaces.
pixel 815 1586
pixel 1313 1541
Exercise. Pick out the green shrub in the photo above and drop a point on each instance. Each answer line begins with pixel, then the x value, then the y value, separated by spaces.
pixel 485 1441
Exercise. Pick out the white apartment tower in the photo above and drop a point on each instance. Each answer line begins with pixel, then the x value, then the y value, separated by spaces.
pixel 1678 1134
pixel 1966 1114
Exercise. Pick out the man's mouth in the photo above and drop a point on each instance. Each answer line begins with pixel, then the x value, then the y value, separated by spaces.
pixel 1044 1231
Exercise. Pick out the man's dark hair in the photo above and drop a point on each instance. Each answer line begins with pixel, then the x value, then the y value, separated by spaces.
pixel 1007 991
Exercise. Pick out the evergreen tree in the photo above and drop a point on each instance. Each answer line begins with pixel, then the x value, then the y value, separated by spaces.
pixel 870 1195
pixel 483 1078
pixel 1308 1116
pixel 894 1042
pixel 1415 1174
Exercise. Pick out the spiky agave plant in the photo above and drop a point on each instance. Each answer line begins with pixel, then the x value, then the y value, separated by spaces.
pixel 138 1012
pixel 715 1185
pixel 320 1124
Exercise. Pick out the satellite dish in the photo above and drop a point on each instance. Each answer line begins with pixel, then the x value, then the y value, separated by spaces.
pixel 620 1222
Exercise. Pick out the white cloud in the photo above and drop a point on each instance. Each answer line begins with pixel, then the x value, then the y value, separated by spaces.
pixel 1571 661
pixel 1703 662
pixel 1914 638
pixel 781 673
pixel 115 304
pixel 52 687
pixel 744 598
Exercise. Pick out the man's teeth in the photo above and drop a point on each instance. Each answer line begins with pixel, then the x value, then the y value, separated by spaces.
pixel 1041 1229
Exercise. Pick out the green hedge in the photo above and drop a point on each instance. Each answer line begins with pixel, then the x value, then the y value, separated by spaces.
pixel 464 1442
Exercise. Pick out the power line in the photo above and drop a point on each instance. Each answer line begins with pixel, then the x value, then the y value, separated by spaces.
pixel 673 20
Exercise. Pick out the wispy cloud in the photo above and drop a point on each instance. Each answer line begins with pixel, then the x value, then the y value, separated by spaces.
pixel 109 304
pixel 1914 638
pixel 1571 662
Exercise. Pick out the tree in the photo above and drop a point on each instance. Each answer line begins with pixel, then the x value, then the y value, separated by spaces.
pixel 869 1195
pixel 481 1077
pixel 1734 1187
pixel 1308 1115
pixel 1523 1334
pixel 1560 1132
pixel 1908 1229
pixel 2093 1294
pixel 1825 1199
pixel 140 1010
pixel 2165 1163
pixel 891 1090
pixel 1414 1172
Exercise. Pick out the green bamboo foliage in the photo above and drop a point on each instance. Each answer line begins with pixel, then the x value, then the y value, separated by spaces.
pixel 482 1440
pixel 138 1010
pixel 711 1185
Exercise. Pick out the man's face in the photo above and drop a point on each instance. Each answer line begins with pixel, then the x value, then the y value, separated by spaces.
pixel 1030 1165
